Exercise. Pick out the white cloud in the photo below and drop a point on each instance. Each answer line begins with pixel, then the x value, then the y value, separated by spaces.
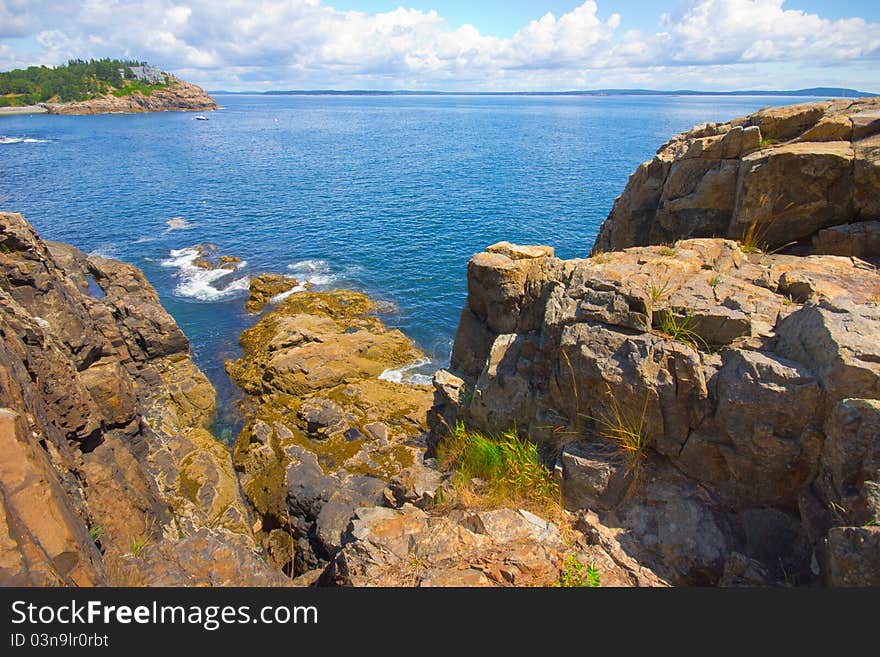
pixel 304 43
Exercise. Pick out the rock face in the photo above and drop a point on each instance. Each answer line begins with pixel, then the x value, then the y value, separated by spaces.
pixel 503 547
pixel 178 96
pixel 753 378
pixel 268 287
pixel 107 457
pixel 804 174
pixel 326 434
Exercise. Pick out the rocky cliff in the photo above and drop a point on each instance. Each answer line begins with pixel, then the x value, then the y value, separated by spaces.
pixel 714 404
pixel 800 176
pixel 110 474
pixel 176 96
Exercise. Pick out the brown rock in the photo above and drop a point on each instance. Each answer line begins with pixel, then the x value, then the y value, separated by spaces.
pixel 792 170
pixel 177 96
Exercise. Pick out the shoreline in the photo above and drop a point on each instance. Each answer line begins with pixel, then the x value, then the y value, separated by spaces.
pixel 26 109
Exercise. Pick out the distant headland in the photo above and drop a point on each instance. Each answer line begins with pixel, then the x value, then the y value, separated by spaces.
pixel 98 86
pixel 830 92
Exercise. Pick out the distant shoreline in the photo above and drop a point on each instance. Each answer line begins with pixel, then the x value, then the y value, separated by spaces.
pixel 834 92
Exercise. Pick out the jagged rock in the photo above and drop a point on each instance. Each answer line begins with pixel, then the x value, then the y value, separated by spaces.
pixel 861 240
pixel 266 287
pixel 794 170
pixel 503 547
pixel 837 341
pixel 177 96
pixel 203 559
pixel 851 461
pixel 762 443
pixel 854 556
pixel 43 541
pixel 326 434
pixel 110 436
pixel 729 364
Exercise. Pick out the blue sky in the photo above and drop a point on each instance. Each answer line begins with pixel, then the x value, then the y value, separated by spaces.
pixel 458 45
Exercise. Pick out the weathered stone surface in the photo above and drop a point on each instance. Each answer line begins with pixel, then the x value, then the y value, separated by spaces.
pixel 325 434
pixel 203 559
pixel 504 547
pixel 43 542
pixel 762 443
pixel 838 342
pixel 793 170
pixel 108 448
pixel 177 96
pixel 860 240
pixel 787 211
pixel 727 366
pixel 268 287
pixel 851 461
pixel 854 556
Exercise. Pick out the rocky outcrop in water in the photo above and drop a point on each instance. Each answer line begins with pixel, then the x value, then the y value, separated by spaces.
pixel 801 176
pixel 268 287
pixel 325 433
pixel 753 378
pixel 110 473
pixel 178 95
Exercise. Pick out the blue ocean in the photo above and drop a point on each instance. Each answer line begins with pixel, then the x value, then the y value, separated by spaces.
pixel 387 194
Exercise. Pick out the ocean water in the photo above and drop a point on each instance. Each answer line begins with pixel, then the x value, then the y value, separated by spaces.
pixel 390 195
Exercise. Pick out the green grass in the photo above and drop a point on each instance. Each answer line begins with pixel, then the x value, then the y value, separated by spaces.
pixel 658 290
pixel 576 574
pixel 95 533
pixel 768 141
pixel 133 86
pixel 138 543
pixel 626 429
pixel 668 251
pixel 714 281
pixel 510 466
pixel 677 324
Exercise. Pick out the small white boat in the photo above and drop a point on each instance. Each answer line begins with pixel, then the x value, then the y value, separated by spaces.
pixel 201 118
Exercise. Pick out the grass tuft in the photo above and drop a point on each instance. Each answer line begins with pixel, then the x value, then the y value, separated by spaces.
pixel 138 543
pixel 627 430
pixel 509 465
pixel 658 290
pixel 677 324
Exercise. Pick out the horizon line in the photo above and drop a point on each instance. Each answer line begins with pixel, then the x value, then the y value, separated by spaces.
pixel 841 92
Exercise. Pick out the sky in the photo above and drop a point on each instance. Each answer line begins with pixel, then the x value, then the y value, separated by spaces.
pixel 462 45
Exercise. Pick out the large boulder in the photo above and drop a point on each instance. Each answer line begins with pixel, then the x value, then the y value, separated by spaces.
pixel 777 177
pixel 690 395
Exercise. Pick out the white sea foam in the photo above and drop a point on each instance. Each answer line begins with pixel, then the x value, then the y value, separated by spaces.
pixel 281 296
pixel 22 140
pixel 407 374
pixel 317 272
pixel 177 223
pixel 104 251
pixel 204 284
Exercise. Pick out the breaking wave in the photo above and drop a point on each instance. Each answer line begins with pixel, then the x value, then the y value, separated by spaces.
pixel 204 284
